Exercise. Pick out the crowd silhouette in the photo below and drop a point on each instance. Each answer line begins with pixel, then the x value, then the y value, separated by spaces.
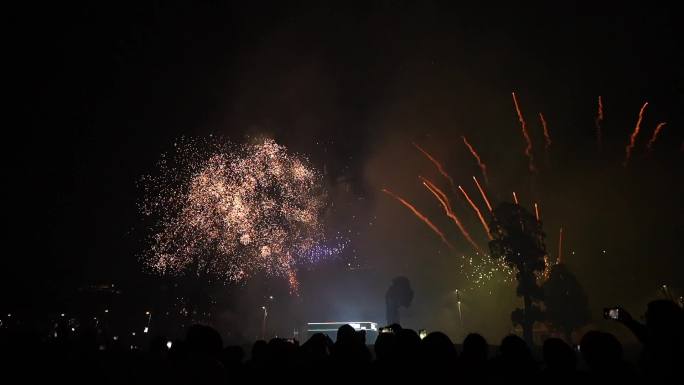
pixel 398 355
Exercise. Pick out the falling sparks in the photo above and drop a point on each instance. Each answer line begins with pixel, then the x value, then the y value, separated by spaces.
pixel 528 141
pixel 632 138
pixel 444 200
pixel 482 268
pixel 480 163
pixel 659 127
pixel 477 211
pixel 321 252
pixel 547 268
pixel 229 212
pixel 545 128
pixel 420 216
pixel 484 196
pixel 599 120
pixel 536 211
pixel 437 164
pixel 515 198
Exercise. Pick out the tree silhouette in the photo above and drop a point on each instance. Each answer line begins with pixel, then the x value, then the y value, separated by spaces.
pixel 399 294
pixel 518 238
pixel 567 307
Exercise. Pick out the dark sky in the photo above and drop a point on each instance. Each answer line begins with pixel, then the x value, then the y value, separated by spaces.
pixel 99 91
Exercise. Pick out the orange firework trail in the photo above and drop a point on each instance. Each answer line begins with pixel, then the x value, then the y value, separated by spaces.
pixel 560 246
pixel 442 198
pixel 420 216
pixel 477 211
pixel 536 211
pixel 523 127
pixel 547 137
pixel 659 127
pixel 484 196
pixel 480 163
pixel 515 198
pixel 632 138
pixel 437 164
pixel 599 120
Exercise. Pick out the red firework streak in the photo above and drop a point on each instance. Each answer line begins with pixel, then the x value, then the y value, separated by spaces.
pixel 444 201
pixel 632 138
pixel 528 141
pixel 477 211
pixel 480 163
pixel 547 137
pixel 599 120
pixel 420 216
pixel 659 127
pixel 484 196
pixel 437 164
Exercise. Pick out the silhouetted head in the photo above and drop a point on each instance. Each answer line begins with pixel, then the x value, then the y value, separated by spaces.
pixel 204 339
pixel 232 355
pixel 260 351
pixel 385 346
pixel 600 350
pixel 317 346
pixel 360 337
pixel 664 317
pixel 437 346
pixel 475 347
pixel 558 355
pixel 346 334
pixel 514 347
pixel 281 351
pixel 408 342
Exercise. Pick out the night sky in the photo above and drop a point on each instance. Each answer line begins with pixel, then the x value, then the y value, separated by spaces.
pixel 97 92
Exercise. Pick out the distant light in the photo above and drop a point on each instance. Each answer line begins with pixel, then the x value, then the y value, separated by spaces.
pixel 146 329
pixel 263 308
pixel 55 334
pixel 115 338
pixel 147 313
pixel 9 315
pixel 169 344
pixel 133 333
pixel 106 310
pixel 604 251
pixel 95 318
pixel 270 297
pixel 62 314
pixel 73 329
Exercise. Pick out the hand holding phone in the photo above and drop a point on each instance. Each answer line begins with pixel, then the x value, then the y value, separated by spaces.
pixel 611 313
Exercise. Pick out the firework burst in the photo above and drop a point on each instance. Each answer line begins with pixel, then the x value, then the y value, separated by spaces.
pixel 227 212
